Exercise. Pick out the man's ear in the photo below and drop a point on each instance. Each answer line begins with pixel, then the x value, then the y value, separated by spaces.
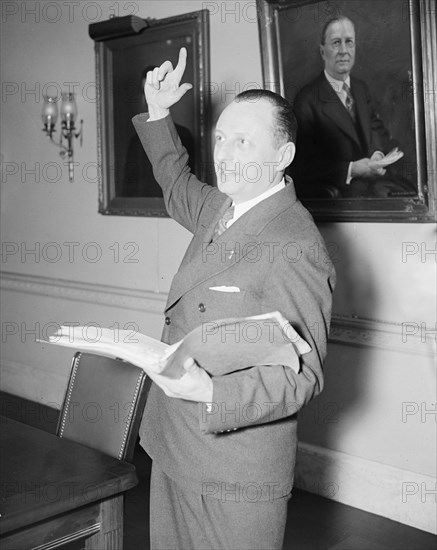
pixel 322 51
pixel 286 156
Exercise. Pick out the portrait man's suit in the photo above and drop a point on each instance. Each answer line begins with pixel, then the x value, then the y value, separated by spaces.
pixel 249 437
pixel 328 139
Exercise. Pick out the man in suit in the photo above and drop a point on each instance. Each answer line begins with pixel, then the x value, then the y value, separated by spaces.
pixel 341 143
pixel 224 447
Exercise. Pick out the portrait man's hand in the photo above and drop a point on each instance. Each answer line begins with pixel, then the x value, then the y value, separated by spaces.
pixel 368 167
pixel 375 166
pixel 163 89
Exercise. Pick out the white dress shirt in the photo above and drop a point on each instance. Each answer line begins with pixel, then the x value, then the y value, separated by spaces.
pixel 337 86
pixel 243 207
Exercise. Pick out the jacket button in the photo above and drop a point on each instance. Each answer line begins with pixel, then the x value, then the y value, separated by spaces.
pixel 201 308
pixel 167 320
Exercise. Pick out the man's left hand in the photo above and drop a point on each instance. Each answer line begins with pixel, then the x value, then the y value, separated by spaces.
pixel 194 385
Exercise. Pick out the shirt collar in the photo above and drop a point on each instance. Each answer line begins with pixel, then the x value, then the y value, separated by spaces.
pixel 243 207
pixel 337 85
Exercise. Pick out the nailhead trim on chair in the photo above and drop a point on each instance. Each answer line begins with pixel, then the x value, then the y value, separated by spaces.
pixel 126 430
pixel 70 390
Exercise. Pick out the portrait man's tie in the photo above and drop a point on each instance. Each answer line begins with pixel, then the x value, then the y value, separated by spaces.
pixel 221 224
pixel 350 103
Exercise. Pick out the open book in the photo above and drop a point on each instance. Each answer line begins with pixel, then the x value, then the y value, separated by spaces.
pixel 220 347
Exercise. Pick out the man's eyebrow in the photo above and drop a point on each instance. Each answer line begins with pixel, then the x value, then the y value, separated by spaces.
pixel 334 38
pixel 237 134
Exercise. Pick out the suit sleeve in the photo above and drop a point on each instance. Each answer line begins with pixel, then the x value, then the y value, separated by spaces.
pixel 301 290
pixel 184 194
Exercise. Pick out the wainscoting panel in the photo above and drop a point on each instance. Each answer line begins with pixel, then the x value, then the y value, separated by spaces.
pixel 401 495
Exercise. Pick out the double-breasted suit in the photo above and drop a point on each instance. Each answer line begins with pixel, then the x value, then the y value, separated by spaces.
pixel 328 139
pixel 276 258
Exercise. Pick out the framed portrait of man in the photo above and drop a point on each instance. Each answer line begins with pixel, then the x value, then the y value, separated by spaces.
pixel 126 49
pixel 360 77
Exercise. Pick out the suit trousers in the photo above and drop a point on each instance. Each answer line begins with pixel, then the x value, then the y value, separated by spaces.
pixel 181 519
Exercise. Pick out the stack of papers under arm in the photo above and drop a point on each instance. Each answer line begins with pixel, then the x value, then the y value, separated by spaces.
pixel 220 347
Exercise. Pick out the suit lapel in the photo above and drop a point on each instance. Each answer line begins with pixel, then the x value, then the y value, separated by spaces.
pixel 334 109
pixel 193 263
pixel 205 259
pixel 206 227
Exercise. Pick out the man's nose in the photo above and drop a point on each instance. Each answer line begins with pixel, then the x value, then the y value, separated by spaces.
pixel 223 151
pixel 343 48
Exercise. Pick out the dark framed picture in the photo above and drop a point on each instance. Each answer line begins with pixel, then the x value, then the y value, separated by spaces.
pixel 126 48
pixel 366 152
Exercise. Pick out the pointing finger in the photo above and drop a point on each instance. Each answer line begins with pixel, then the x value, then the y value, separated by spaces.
pixel 182 63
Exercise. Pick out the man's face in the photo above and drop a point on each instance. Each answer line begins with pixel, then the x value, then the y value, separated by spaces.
pixel 245 156
pixel 338 52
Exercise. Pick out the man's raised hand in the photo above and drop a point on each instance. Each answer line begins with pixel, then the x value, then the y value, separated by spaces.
pixel 163 89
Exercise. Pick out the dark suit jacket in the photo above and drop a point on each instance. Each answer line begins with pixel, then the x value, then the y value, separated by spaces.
pixel 327 138
pixel 250 435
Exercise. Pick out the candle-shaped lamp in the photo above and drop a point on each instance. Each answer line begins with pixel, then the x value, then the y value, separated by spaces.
pixel 49 113
pixel 68 109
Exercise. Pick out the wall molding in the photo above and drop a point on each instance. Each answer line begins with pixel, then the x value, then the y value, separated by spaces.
pixel 106 295
pixel 387 491
pixel 356 331
pixel 352 331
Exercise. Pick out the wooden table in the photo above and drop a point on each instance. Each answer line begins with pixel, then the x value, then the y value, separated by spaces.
pixel 55 491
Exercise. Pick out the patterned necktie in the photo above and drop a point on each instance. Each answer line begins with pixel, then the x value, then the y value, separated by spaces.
pixel 221 224
pixel 350 103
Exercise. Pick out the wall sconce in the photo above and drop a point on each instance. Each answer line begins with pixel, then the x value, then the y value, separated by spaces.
pixel 68 116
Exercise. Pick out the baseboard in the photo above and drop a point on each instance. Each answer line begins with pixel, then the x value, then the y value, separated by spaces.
pixel 33 382
pixel 394 493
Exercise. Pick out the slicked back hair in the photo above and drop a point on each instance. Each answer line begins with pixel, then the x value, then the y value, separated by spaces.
pixel 335 19
pixel 285 125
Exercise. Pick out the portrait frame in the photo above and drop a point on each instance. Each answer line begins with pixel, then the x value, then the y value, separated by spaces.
pixel 125 48
pixel 419 90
